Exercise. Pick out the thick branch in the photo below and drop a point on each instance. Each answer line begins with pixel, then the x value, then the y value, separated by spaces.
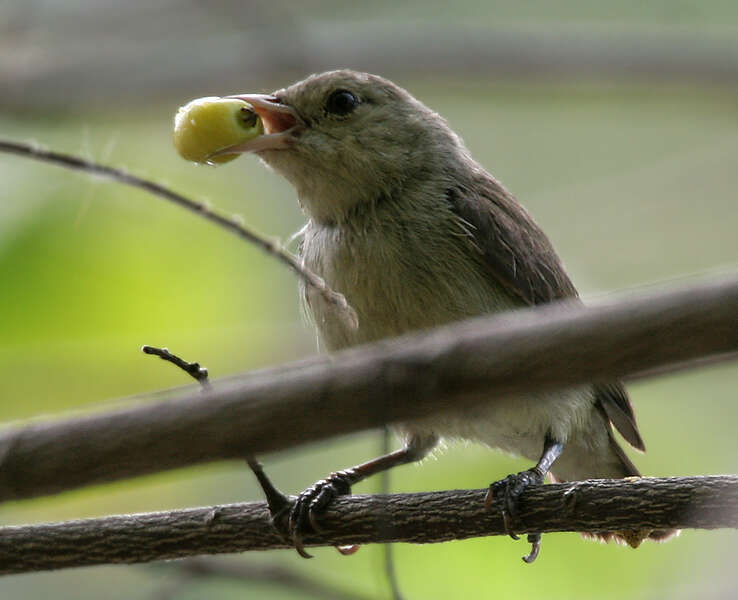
pixel 592 506
pixel 453 367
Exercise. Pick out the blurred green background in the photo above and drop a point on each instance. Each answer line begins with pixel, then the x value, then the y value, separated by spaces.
pixel 616 124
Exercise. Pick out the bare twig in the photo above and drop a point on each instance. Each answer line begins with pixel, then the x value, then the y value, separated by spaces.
pixel 201 567
pixel 247 573
pixel 456 366
pixel 271 247
pixel 597 506
pixel 199 373
pixel 278 503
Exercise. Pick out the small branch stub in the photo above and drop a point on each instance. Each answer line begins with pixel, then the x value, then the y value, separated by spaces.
pixel 197 372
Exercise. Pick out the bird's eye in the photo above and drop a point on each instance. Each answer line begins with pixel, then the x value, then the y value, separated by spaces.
pixel 341 102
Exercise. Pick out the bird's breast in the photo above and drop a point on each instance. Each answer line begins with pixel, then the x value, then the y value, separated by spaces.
pixel 399 276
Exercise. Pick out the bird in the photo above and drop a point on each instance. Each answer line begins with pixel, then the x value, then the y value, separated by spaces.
pixel 416 234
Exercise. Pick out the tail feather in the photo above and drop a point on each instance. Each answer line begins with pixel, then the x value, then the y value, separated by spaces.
pixel 613 400
pixel 629 469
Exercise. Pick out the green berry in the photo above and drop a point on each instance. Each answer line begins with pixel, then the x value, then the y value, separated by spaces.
pixel 204 126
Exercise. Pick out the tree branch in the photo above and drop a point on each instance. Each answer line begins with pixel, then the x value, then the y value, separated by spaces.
pixel 233 225
pixel 455 367
pixel 597 505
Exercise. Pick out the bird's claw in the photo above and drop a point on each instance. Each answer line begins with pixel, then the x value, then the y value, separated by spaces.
pixel 306 510
pixel 534 539
pixel 505 495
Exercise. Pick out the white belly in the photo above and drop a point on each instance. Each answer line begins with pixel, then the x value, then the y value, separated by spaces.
pixel 517 424
pixel 396 281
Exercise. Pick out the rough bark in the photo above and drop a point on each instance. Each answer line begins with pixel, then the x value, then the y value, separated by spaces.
pixel 591 506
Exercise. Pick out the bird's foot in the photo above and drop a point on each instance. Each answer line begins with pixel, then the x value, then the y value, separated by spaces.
pixel 534 539
pixel 311 503
pixel 505 495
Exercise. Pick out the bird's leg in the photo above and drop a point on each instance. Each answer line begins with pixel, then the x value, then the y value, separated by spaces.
pixel 506 493
pixel 315 499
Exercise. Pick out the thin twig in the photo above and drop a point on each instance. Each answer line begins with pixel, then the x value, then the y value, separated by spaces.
pixel 199 373
pixel 595 505
pixel 271 247
pixel 277 502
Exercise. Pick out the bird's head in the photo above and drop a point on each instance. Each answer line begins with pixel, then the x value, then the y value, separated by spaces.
pixel 344 139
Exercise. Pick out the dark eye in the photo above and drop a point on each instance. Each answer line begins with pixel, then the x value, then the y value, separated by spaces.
pixel 341 102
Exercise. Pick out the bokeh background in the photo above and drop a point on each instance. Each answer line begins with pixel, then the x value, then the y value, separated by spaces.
pixel 615 123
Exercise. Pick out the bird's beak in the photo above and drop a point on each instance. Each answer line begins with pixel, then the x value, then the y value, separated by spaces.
pixel 281 122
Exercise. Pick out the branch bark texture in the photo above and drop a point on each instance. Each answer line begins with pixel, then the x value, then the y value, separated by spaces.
pixel 590 506
pixel 453 367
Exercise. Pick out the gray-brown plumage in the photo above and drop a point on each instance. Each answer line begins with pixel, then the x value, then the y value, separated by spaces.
pixel 416 234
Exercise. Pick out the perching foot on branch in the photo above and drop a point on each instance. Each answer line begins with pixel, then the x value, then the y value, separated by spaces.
pixel 283 510
pixel 312 502
pixel 505 494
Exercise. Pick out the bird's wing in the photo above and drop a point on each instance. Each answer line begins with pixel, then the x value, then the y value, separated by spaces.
pixel 521 259
pixel 518 254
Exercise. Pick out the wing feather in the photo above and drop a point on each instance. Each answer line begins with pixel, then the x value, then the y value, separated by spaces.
pixel 522 260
